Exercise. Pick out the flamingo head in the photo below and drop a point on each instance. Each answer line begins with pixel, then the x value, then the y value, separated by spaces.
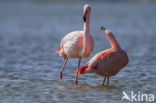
pixel 106 31
pixel 87 10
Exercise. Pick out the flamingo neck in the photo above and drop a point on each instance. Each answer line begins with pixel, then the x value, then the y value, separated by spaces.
pixel 86 26
pixel 86 37
pixel 112 40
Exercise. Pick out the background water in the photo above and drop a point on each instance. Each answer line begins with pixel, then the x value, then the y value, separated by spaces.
pixel 30 32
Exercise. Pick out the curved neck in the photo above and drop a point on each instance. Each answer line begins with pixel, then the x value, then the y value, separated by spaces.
pixel 86 37
pixel 86 26
pixel 112 40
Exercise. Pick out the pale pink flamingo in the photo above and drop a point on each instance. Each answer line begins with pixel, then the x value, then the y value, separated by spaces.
pixel 77 44
pixel 108 62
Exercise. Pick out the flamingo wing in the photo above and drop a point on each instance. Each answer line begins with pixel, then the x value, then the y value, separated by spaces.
pixel 97 61
pixel 101 57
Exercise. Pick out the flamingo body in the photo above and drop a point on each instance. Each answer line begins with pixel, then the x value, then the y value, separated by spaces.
pixel 72 45
pixel 77 44
pixel 108 62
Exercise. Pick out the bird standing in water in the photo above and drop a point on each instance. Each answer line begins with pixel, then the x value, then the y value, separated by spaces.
pixel 77 44
pixel 108 62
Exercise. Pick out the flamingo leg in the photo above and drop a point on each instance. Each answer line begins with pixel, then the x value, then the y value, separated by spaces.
pixel 76 77
pixel 62 70
pixel 107 80
pixel 104 80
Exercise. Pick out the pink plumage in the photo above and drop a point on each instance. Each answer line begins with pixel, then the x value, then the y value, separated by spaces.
pixel 108 62
pixel 77 44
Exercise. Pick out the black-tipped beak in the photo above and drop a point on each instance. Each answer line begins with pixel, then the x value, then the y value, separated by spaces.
pixel 84 18
pixel 103 28
pixel 84 15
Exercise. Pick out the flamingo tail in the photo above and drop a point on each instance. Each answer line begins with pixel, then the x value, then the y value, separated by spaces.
pixel 81 69
pixel 59 48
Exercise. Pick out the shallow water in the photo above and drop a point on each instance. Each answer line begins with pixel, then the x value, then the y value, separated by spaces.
pixel 30 32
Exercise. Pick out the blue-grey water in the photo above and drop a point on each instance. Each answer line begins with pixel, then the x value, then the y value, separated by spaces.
pixel 30 32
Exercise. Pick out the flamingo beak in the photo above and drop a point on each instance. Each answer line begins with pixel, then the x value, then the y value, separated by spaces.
pixel 84 18
pixel 84 15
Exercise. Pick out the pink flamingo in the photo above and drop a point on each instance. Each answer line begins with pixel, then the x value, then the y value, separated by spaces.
pixel 77 44
pixel 108 62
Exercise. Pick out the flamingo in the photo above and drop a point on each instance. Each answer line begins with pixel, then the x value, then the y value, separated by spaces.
pixel 108 62
pixel 77 44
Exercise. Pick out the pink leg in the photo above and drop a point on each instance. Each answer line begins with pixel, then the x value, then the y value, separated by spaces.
pixel 76 77
pixel 62 70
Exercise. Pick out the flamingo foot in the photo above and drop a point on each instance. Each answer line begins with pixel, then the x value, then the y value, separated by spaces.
pixel 108 81
pixel 76 77
pixel 75 81
pixel 104 80
pixel 61 77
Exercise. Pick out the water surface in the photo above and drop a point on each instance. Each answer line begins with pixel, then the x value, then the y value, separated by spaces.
pixel 30 32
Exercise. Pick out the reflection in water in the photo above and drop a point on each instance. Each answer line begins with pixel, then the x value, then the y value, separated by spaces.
pixel 80 87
